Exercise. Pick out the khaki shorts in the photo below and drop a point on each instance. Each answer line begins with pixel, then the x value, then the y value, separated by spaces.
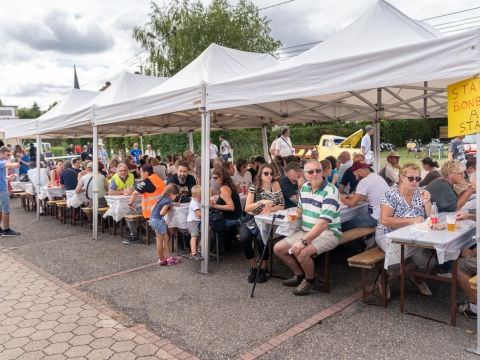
pixel 326 241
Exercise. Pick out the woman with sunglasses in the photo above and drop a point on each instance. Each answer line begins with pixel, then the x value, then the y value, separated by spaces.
pixel 228 202
pixel 264 196
pixel 406 204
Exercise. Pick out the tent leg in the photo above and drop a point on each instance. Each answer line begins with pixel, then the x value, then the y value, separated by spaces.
pixel 376 138
pixel 205 182
pixel 190 140
pixel 141 145
pixel 477 235
pixel 266 155
pixel 37 160
pixel 95 185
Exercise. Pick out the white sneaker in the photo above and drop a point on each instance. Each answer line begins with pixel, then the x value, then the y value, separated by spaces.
pixel 422 287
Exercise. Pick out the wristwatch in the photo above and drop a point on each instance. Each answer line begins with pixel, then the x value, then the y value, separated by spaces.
pixel 304 242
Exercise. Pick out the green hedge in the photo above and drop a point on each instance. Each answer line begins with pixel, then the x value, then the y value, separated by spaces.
pixel 248 142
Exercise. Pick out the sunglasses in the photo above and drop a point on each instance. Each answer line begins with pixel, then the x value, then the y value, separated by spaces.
pixel 267 173
pixel 314 171
pixel 414 178
pixel 215 177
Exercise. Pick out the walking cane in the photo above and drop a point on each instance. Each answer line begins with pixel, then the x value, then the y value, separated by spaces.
pixel 259 259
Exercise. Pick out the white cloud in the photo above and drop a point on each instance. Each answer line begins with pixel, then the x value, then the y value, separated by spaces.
pixel 41 40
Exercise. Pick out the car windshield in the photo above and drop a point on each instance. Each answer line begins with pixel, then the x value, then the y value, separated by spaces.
pixel 338 140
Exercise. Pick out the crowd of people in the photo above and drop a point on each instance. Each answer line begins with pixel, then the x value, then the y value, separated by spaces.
pixel 398 195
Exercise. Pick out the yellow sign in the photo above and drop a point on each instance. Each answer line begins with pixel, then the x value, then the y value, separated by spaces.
pixel 464 107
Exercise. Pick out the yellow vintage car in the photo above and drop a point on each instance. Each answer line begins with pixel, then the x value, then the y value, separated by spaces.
pixel 331 145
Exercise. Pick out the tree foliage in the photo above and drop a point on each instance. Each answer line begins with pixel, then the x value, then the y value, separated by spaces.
pixel 29 113
pixel 179 31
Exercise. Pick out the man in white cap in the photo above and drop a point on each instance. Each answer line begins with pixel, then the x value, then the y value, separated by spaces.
pixel 366 144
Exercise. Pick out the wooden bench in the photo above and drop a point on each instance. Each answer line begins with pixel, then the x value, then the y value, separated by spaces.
pixel 367 261
pixel 473 282
pixel 88 211
pixel 61 211
pixel 323 282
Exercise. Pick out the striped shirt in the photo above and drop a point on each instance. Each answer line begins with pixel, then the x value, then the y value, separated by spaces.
pixel 321 204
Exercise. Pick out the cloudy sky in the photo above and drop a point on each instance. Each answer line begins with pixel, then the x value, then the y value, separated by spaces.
pixel 41 40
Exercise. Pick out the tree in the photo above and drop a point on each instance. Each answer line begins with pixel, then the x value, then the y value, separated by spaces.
pixel 179 31
pixel 29 113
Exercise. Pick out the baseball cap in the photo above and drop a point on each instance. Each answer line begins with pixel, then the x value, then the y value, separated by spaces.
pixel 359 165
pixel 89 165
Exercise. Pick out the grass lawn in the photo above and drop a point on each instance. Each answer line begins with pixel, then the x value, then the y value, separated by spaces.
pixel 410 157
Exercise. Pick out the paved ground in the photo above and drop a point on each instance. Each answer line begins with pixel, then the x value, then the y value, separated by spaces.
pixel 212 316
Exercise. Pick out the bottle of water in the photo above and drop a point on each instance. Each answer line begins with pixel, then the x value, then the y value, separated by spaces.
pixel 434 214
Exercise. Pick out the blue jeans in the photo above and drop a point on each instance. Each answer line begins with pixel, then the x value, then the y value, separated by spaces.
pixel 4 202
pixel 362 221
pixel 159 226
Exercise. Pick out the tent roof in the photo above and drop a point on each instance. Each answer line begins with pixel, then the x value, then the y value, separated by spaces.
pixel 338 80
pixel 74 100
pixel 125 86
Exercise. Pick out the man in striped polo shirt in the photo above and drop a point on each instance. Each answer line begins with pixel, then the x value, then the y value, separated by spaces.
pixel 318 209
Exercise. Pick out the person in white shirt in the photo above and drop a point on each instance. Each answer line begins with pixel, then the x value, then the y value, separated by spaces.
pixel 283 145
pixel 366 144
pixel 225 148
pixel 242 178
pixel 85 183
pixel 392 168
pixel 371 188
pixel 150 152
pixel 194 218
pixel 273 150
pixel 213 151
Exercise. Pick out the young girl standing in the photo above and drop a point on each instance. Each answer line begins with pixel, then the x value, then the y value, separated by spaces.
pixel 158 224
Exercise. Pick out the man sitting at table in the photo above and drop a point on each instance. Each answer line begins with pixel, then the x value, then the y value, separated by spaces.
pixel 442 189
pixel 122 182
pixel 372 188
pixel 290 184
pixel 184 181
pixel 318 209
pixel 151 189
pixel 349 182
pixel 68 177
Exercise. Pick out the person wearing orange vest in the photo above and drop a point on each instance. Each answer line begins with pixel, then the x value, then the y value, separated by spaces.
pixel 151 189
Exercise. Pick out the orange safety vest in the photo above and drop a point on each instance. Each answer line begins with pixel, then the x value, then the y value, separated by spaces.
pixel 150 199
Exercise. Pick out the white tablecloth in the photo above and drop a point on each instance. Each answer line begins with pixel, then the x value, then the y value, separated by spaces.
pixel 118 206
pixel 76 199
pixel 51 192
pixel 447 244
pixel 177 216
pixel 286 227
pixel 18 185
pixel 29 189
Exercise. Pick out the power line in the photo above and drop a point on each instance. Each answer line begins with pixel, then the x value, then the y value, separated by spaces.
pixel 454 21
pixel 275 5
pixel 452 13
pixel 470 27
pixel 461 24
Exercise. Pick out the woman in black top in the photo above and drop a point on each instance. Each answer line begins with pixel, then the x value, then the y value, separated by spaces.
pixel 228 202
pixel 264 196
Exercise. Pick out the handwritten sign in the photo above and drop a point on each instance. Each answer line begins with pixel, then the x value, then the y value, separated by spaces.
pixel 464 107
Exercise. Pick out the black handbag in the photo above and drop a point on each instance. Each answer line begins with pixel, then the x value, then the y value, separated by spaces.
pixel 249 222
pixel 217 221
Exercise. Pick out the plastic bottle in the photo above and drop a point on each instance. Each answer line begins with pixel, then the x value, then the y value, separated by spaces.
pixel 434 214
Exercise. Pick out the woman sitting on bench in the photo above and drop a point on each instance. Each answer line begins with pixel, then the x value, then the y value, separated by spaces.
pixel 405 204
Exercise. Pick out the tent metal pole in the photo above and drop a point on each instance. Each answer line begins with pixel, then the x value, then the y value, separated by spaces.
pixel 205 180
pixel 376 138
pixel 265 143
pixel 141 144
pixel 425 100
pixel 190 140
pixel 477 237
pixel 37 160
pixel 95 179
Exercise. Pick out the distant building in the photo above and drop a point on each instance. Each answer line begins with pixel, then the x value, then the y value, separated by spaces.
pixel 8 112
